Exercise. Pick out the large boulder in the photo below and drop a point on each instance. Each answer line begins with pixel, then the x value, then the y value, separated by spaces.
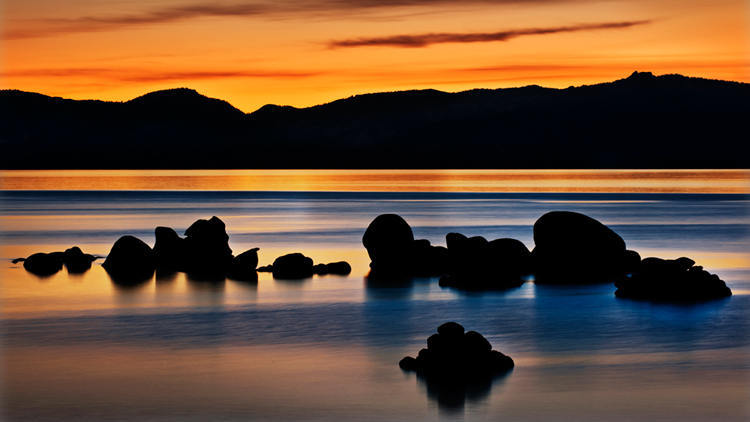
pixel 293 266
pixel 207 247
pixel 169 250
pixel 389 241
pixel 675 280
pixel 130 257
pixel 575 248
pixel 456 356
pixel 476 264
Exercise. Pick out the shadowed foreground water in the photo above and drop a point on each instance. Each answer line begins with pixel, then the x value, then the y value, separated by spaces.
pixel 82 348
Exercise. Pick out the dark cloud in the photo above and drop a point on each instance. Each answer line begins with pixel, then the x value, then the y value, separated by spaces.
pixel 424 40
pixel 277 9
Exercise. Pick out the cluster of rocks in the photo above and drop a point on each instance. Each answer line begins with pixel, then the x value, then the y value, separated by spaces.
pixel 569 248
pixel 394 252
pixel 204 251
pixel 455 355
pixel 45 264
pixel 671 280
pixel 296 266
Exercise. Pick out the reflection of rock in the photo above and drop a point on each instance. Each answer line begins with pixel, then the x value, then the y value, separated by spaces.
pixel 43 264
pixel 476 264
pixel 207 246
pixel 293 266
pixel 454 356
pixel 453 397
pixel 336 268
pixel 76 261
pixel 242 266
pixel 671 280
pixel 574 248
pixel 130 257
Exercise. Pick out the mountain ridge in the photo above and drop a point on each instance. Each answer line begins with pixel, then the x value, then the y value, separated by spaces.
pixel 642 121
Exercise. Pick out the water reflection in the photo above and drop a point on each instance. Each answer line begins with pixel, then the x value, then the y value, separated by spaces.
pixel 134 281
pixel 453 397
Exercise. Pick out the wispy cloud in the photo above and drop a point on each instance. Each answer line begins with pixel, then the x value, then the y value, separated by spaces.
pixel 145 76
pixel 271 8
pixel 424 40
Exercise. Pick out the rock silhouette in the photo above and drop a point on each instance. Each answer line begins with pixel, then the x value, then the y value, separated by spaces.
pixel 677 280
pixel 335 268
pixel 394 252
pixel 242 266
pixel 207 246
pixel 129 258
pixel 389 242
pixel 455 356
pixel 43 264
pixel 476 264
pixel 169 250
pixel 293 266
pixel 575 248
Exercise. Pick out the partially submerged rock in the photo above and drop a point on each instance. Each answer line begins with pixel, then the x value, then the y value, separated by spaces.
pixel 130 257
pixel 455 355
pixel 389 241
pixel 574 248
pixel 169 250
pixel 207 246
pixel 335 268
pixel 243 266
pixel 678 280
pixel 293 266
pixel 43 264
pixel 476 264
pixel 395 253
pixel 76 261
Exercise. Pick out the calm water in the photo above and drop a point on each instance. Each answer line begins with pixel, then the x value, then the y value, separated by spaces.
pixel 82 348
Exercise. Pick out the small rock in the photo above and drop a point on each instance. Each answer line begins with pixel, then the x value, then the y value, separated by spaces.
pixel 293 266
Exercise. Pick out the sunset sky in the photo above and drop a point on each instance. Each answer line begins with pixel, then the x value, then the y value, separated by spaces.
pixel 306 52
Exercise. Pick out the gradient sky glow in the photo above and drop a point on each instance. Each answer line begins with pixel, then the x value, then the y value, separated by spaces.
pixel 305 52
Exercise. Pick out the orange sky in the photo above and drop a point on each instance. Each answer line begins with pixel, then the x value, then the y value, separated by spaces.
pixel 304 52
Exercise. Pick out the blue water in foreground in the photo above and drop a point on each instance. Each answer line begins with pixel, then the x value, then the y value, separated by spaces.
pixel 82 348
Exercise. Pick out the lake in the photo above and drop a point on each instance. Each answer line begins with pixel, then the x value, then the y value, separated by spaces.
pixel 80 347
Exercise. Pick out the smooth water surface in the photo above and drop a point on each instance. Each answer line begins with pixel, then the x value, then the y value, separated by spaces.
pixel 80 347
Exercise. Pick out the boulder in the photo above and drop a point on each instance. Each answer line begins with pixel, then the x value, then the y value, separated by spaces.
pixel 389 242
pixel 574 248
pixel 207 247
pixel 130 257
pixel 675 280
pixel 455 355
pixel 428 260
pixel 335 268
pixel 43 264
pixel 476 264
pixel 242 267
pixel 169 250
pixel 293 266
pixel 76 261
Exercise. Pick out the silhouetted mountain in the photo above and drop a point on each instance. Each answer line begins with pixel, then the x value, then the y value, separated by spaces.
pixel 642 121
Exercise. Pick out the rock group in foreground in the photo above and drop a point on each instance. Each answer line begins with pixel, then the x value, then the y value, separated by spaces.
pixel 671 280
pixel 453 355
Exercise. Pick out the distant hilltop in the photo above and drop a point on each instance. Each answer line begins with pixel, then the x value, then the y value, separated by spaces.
pixel 643 121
